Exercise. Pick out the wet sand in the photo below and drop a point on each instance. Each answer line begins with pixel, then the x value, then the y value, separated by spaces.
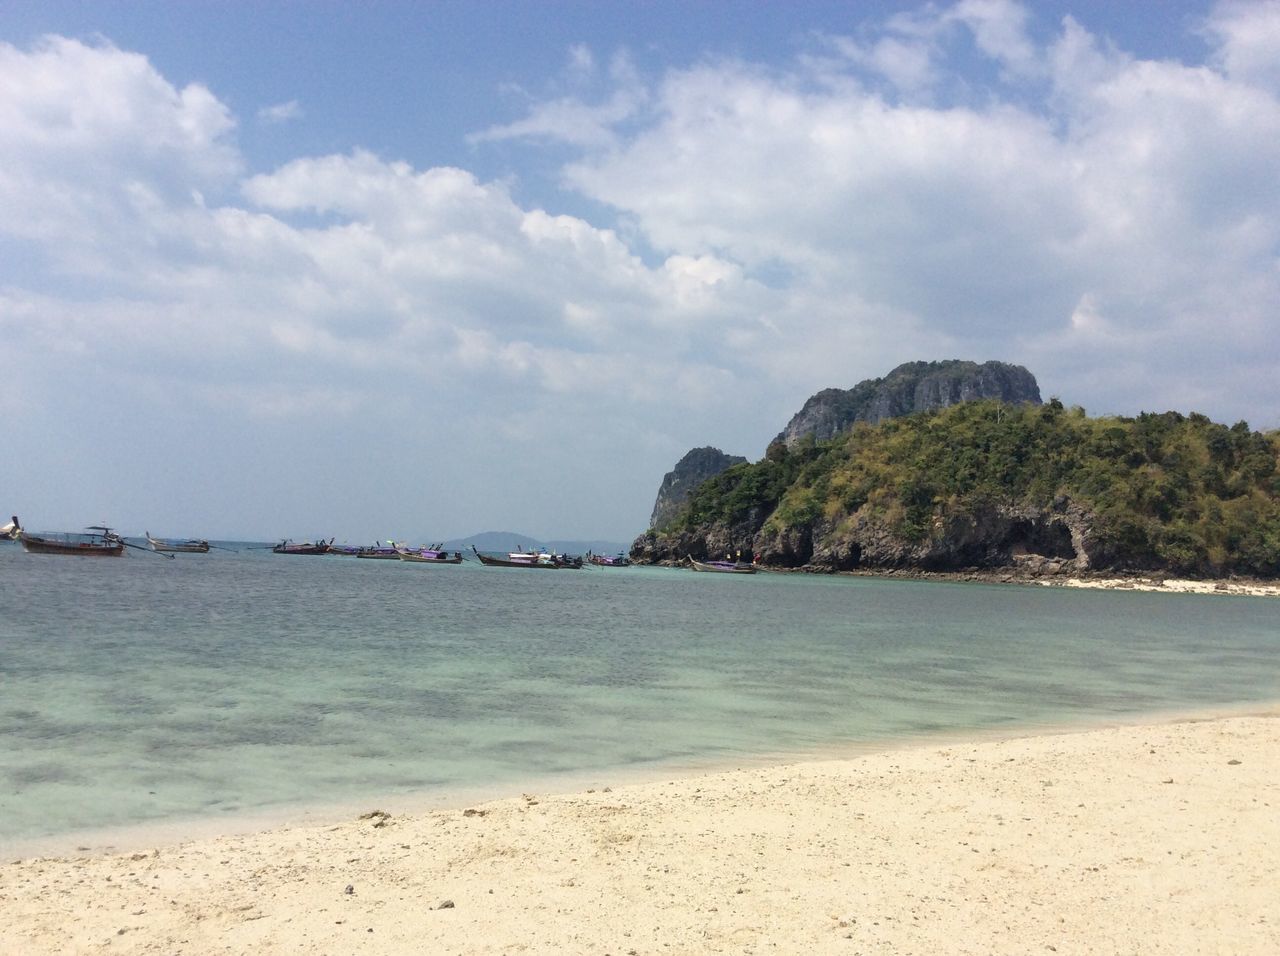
pixel 1156 838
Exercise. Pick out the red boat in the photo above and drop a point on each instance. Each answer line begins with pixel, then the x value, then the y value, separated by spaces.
pixel 98 541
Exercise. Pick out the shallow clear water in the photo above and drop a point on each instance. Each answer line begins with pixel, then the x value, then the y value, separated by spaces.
pixel 141 689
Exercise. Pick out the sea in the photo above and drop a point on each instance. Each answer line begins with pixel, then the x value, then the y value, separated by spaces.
pixel 205 692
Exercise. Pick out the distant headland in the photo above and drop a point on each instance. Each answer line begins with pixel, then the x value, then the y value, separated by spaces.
pixel 955 466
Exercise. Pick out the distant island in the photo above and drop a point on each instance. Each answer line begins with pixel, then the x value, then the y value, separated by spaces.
pixel 926 471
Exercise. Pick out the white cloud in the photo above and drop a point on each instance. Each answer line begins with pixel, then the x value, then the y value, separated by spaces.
pixel 581 60
pixel 1000 31
pixel 63 102
pixel 1247 41
pixel 1144 187
pixel 330 267
pixel 280 113
pixel 906 62
pixel 911 48
pixel 569 120
pixel 580 119
pixel 1109 221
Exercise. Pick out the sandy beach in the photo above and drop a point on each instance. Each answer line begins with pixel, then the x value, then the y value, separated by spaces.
pixel 1160 838
pixel 1171 586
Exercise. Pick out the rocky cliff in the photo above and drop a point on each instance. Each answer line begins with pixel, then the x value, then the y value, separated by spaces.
pixel 1057 537
pixel 909 388
pixel 690 471
pixel 913 387
pixel 994 486
pixel 1060 537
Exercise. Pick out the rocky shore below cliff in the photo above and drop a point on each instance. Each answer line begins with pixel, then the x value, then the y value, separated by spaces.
pixel 1100 581
pixel 1057 577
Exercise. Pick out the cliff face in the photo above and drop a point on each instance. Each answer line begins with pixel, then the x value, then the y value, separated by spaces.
pixel 1058 538
pixel 990 485
pixel 913 387
pixel 690 471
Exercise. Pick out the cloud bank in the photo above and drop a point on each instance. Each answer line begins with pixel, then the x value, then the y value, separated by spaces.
pixel 773 229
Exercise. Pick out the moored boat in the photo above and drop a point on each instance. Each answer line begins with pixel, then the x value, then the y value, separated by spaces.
pixel 723 567
pixel 190 546
pixel 302 547
pixel 379 552
pixel 435 554
pixel 530 559
pixel 97 541
pixel 619 560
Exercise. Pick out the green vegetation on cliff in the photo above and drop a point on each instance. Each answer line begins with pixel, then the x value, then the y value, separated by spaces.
pixel 1160 491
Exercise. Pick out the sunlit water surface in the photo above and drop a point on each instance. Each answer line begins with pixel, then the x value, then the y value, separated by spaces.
pixel 139 689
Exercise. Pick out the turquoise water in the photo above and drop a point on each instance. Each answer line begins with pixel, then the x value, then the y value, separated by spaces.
pixel 137 690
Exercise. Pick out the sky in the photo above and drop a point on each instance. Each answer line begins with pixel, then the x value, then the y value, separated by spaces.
pixel 420 270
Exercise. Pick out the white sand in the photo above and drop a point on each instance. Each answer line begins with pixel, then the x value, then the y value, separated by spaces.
pixel 1170 586
pixel 1152 839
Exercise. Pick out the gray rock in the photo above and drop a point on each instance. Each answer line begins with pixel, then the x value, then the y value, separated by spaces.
pixel 1039 542
pixel 913 387
pixel 690 471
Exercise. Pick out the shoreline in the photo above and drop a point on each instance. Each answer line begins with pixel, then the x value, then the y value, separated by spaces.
pixel 1028 575
pixel 1158 834
pixel 109 840
pixel 1101 581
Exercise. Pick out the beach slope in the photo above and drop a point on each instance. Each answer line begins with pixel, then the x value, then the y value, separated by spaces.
pixel 1146 839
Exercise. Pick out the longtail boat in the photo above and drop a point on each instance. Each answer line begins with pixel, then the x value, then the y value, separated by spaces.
pixel 618 560
pixel 190 546
pixel 432 555
pixel 302 547
pixel 380 552
pixel 531 559
pixel 98 541
pixel 723 567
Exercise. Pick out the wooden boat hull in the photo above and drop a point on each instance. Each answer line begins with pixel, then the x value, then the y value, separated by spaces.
pixel 321 548
pixel 102 542
pixel 88 549
pixel 173 547
pixel 722 568
pixel 455 558
pixel 546 566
